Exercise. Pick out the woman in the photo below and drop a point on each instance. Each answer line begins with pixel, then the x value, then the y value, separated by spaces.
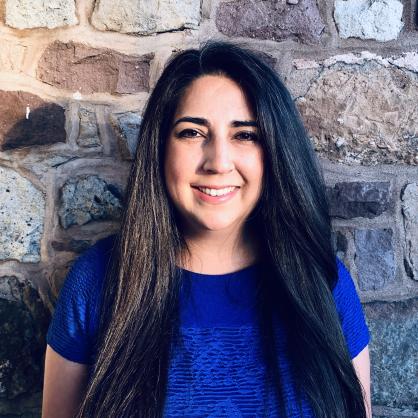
pixel 223 295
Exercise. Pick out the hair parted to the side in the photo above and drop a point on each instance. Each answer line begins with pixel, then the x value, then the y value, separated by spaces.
pixel 139 305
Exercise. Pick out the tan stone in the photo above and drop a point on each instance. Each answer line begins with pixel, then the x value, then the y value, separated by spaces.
pixel 363 114
pixel 26 14
pixel 145 17
pixel 78 67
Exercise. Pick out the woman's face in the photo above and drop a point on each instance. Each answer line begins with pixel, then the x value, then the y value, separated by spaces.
pixel 214 162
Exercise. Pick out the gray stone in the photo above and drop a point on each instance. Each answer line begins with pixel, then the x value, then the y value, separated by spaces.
pixel 78 67
pixel 393 352
pixel 274 20
pixel 145 17
pixel 409 197
pixel 88 135
pixel 27 120
pixel 359 199
pixel 371 111
pixel 340 244
pixel 73 245
pixel 88 198
pixel 369 19
pixel 22 211
pixel 374 258
pixel 23 324
pixel 26 14
pixel 126 127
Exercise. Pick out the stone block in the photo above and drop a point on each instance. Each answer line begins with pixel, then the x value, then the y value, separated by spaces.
pixel 409 197
pixel 88 134
pixel 374 258
pixel 27 120
pixel 78 67
pixel 22 211
pixel 26 14
pixel 148 17
pixel 359 199
pixel 340 244
pixel 126 128
pixel 273 20
pixel 73 245
pixel 365 19
pixel 88 198
pixel 393 353
pixel 370 108
pixel 23 324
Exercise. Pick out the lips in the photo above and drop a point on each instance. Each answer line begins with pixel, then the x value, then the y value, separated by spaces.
pixel 212 187
pixel 200 194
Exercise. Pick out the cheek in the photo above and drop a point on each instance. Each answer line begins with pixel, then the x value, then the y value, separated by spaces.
pixel 254 167
pixel 178 168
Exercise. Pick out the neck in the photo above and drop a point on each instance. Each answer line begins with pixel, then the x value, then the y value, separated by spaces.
pixel 220 252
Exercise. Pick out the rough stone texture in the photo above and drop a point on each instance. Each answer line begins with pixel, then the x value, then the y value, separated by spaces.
pixel 22 211
pixel 26 14
pixel 25 406
pixel 370 108
pixel 26 120
pixel 340 244
pixel 393 352
pixel 408 60
pixel 88 198
pixel 11 56
pixel 77 67
pixel 126 127
pixel 88 135
pixel 369 19
pixel 23 324
pixel 269 19
pixel 73 245
pixel 354 199
pixel 385 412
pixel 374 258
pixel 409 197
pixel 145 17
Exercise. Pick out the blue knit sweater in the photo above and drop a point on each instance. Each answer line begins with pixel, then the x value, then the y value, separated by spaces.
pixel 217 370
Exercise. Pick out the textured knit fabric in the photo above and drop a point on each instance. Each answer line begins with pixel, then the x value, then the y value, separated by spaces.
pixel 216 367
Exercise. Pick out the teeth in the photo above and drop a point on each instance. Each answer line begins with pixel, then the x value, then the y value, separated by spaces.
pixel 216 192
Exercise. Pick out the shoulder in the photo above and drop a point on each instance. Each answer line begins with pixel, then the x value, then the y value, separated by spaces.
pixel 90 266
pixel 344 286
pixel 74 324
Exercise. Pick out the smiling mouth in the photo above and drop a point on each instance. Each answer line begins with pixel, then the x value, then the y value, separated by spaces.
pixel 216 192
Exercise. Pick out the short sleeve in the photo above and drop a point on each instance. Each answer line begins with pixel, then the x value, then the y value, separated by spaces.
pixel 350 312
pixel 72 328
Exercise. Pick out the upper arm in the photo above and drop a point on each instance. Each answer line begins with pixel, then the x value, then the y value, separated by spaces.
pixel 350 312
pixel 361 365
pixel 64 385
pixel 355 329
pixel 72 330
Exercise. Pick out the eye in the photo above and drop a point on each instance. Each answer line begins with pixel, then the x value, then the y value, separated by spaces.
pixel 187 133
pixel 248 136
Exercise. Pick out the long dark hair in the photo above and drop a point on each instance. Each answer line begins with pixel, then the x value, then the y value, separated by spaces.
pixel 139 305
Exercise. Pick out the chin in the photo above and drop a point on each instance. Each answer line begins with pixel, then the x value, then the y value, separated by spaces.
pixel 217 225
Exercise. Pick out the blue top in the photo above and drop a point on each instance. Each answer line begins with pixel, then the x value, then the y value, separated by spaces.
pixel 217 370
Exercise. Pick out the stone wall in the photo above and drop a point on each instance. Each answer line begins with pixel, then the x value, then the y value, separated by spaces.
pixel 74 76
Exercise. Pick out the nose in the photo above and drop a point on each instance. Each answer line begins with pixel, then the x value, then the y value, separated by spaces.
pixel 217 155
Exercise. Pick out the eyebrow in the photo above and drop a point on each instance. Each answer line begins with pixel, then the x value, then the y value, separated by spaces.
pixel 205 122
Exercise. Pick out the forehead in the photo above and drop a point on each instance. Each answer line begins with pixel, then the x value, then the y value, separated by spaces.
pixel 215 95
